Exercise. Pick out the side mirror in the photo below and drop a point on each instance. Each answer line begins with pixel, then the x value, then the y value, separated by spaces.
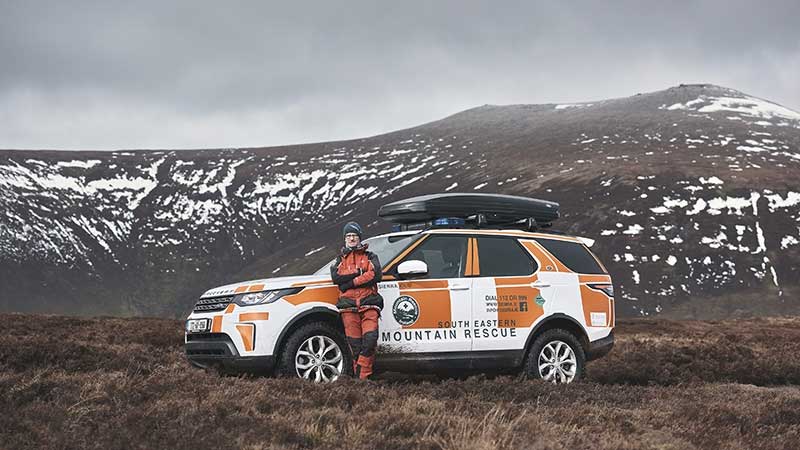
pixel 412 269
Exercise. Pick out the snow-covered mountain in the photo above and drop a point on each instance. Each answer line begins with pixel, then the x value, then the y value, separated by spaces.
pixel 692 193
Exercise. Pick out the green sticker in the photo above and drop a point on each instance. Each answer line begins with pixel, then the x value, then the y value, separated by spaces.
pixel 539 300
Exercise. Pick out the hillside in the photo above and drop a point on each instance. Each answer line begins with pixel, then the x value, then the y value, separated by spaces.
pixel 691 193
pixel 106 383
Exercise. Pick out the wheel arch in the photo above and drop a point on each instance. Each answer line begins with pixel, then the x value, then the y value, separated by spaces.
pixel 563 321
pixel 317 313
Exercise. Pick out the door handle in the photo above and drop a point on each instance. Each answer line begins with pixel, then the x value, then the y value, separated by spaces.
pixel 459 287
pixel 539 284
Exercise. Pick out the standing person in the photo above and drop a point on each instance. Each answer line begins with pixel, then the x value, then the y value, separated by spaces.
pixel 357 273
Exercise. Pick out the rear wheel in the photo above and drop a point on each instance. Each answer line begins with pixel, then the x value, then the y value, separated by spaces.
pixel 315 352
pixel 556 356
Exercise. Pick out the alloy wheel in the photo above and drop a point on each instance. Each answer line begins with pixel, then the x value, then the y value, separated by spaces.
pixel 557 362
pixel 319 359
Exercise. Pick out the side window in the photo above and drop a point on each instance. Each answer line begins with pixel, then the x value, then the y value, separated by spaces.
pixel 573 254
pixel 503 257
pixel 446 256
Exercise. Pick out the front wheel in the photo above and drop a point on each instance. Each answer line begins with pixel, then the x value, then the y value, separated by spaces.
pixel 314 352
pixel 556 356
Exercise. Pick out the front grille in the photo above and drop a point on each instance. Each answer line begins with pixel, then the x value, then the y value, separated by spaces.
pixel 212 304
pixel 197 337
pixel 206 352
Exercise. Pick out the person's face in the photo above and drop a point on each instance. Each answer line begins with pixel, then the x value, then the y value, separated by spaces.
pixel 351 240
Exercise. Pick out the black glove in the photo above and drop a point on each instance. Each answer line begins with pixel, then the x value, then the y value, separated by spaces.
pixel 340 279
pixel 346 285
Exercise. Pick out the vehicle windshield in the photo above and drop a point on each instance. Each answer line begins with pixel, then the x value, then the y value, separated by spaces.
pixel 386 247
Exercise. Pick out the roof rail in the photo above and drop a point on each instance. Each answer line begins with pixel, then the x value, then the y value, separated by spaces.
pixel 477 221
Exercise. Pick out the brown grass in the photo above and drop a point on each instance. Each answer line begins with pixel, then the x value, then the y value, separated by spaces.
pixel 124 383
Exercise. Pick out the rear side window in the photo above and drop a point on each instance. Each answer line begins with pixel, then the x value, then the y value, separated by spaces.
pixel 503 257
pixel 573 254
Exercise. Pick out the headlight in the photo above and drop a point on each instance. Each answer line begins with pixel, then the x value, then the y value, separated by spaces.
pixel 263 297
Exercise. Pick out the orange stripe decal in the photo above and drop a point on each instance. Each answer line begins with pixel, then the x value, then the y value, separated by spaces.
pixel 400 257
pixel 547 262
pixel 216 324
pixel 246 317
pixel 516 302
pixel 246 331
pixel 594 279
pixel 312 283
pixel 434 304
pixel 476 262
pixel 506 281
pixel 240 289
pixel 595 301
pixel 255 288
pixel 468 269
pixel 230 308
pixel 613 314
pixel 325 294
pixel 423 284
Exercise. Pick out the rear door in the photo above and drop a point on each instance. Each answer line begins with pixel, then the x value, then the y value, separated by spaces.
pixel 428 314
pixel 509 293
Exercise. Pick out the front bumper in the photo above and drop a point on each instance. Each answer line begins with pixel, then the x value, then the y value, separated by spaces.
pixel 600 347
pixel 217 351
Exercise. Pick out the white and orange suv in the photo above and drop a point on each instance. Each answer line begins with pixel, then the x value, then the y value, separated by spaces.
pixel 456 299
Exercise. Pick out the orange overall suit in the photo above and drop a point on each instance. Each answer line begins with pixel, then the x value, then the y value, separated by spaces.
pixel 357 272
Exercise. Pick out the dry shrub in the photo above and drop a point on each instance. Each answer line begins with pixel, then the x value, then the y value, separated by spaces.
pixel 755 351
pixel 124 383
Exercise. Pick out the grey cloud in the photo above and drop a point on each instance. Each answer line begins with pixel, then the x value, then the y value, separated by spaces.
pixel 219 74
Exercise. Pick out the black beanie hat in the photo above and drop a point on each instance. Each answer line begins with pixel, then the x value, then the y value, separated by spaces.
pixel 352 227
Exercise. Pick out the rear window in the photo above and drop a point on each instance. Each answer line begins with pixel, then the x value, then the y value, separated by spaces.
pixel 503 257
pixel 573 254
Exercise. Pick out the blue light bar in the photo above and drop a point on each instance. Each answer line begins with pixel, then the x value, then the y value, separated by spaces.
pixel 448 222
pixel 397 227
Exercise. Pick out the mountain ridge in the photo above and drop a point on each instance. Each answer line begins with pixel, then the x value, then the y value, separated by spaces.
pixel 653 176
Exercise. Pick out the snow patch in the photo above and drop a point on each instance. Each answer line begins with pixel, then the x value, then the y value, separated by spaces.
pixel 710 180
pixel 88 164
pixel 788 241
pixel 633 229
pixel 750 106
pixel 311 252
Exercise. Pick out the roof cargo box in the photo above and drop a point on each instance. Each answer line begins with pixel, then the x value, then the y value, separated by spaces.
pixel 496 208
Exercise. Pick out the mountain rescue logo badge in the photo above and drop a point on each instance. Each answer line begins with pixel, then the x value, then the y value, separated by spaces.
pixel 405 310
pixel 539 300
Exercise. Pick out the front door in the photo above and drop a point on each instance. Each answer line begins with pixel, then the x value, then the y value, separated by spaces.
pixel 430 314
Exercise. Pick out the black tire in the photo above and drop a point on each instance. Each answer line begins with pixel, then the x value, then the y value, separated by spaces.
pixel 286 360
pixel 531 367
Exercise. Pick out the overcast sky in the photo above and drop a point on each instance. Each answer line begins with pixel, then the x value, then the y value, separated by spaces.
pixel 211 74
